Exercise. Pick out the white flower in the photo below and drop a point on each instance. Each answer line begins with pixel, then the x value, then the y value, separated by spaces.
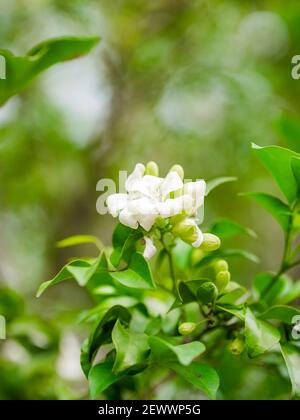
pixel 149 197
pixel 150 249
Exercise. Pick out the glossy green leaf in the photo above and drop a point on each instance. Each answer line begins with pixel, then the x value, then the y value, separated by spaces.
pixel 260 335
pixel 225 228
pixel 132 348
pixel 281 313
pixel 291 355
pixel 79 240
pixel 279 210
pixel 138 275
pixel 201 376
pixel 278 161
pixel 101 334
pixel 101 377
pixel 216 182
pixel 80 270
pixel 295 163
pixel 21 70
pixel 183 353
pixel 237 311
pixel 2 328
pixel 233 294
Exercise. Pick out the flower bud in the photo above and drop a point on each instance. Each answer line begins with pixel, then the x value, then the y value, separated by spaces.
pixel 152 169
pixel 222 280
pixel 187 328
pixel 207 292
pixel 210 242
pixel 186 229
pixel 236 346
pixel 221 265
pixel 178 169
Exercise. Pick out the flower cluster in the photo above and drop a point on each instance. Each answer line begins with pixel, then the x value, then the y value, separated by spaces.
pixel 150 198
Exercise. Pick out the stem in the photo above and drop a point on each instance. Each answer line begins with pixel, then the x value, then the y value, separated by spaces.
pixel 285 264
pixel 171 265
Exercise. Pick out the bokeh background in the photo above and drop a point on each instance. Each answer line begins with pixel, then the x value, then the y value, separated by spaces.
pixel 175 81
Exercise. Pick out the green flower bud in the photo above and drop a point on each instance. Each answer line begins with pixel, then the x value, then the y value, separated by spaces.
pixel 152 169
pixel 207 292
pixel 186 229
pixel 221 265
pixel 222 280
pixel 187 328
pixel 236 346
pixel 178 169
pixel 210 242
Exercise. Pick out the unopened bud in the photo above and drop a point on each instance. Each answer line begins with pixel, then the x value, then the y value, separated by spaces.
pixel 187 328
pixel 236 346
pixel 222 280
pixel 207 292
pixel 221 265
pixel 210 242
pixel 152 169
pixel 178 169
pixel 187 230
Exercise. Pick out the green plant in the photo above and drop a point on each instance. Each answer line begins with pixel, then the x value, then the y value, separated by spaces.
pixel 179 316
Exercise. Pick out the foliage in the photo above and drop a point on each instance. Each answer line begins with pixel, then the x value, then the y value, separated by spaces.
pixel 144 318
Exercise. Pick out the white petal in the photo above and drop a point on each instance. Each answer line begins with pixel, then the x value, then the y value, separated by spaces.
pixel 172 182
pixel 116 203
pixel 128 219
pixel 150 248
pixel 147 186
pixel 174 206
pixel 197 191
pixel 199 240
pixel 135 176
pixel 144 210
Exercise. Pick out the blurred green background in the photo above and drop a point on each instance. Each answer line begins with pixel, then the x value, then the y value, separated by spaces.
pixel 175 81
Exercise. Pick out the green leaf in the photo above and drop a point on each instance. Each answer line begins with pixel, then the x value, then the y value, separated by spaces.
pixel 123 240
pixel 291 355
pixel 201 376
pixel 80 270
pixel 138 275
pixel 289 294
pixel 79 240
pixel 225 228
pixel 281 313
pixel 101 377
pixel 278 161
pixel 183 353
pixel 101 334
pixel 260 336
pixel 2 328
pixel 216 182
pixel 132 348
pixel 279 210
pixel 295 163
pixel 233 294
pixel 275 290
pixel 21 70
pixel 237 311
